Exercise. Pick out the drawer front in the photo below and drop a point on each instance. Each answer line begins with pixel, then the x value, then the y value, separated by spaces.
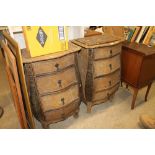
pixel 56 82
pixel 55 115
pixel 106 52
pixel 53 65
pixel 103 67
pixel 62 113
pixel 106 82
pixel 105 94
pixel 60 100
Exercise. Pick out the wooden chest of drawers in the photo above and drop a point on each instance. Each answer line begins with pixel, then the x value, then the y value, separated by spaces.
pixel 54 85
pixel 99 64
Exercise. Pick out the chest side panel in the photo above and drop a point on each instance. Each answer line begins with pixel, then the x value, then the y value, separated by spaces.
pixel 131 66
pixel 147 71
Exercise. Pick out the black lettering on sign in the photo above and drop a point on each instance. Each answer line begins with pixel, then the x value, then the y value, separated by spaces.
pixel 41 37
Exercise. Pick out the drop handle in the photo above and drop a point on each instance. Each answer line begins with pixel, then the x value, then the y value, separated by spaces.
pixel 62 101
pixel 90 50
pixel 57 66
pixel 60 83
pixel 110 66
pixel 111 52
pixel 109 83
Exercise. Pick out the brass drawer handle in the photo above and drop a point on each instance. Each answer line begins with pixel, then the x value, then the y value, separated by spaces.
pixel 109 83
pixel 57 66
pixel 90 50
pixel 110 65
pixel 60 83
pixel 111 52
pixel 62 101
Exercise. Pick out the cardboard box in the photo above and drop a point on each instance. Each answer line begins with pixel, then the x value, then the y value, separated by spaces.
pixel 42 40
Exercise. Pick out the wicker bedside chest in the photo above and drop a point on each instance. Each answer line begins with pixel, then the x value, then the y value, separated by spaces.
pixel 99 64
pixel 54 85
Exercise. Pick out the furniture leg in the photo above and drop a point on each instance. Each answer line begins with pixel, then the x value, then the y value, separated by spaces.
pixel 147 92
pixel 134 98
pixel 45 125
pixel 89 105
pixel 127 86
pixel 76 115
pixel 111 98
pixel 121 84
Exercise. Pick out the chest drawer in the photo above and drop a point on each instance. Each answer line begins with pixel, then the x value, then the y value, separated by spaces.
pixel 103 83
pixel 59 81
pixel 103 67
pixel 105 94
pixel 53 65
pixel 106 52
pixel 60 100
pixel 62 113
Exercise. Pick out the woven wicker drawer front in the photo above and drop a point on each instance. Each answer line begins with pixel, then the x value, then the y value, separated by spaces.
pixel 103 67
pixel 62 113
pixel 106 82
pixel 54 114
pixel 54 101
pixel 106 52
pixel 105 94
pixel 56 82
pixel 53 65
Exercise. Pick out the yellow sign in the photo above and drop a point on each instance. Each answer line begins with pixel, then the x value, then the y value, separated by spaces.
pixel 42 40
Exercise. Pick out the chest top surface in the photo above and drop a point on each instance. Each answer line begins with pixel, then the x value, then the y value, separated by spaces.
pixel 27 59
pixel 98 41
pixel 140 48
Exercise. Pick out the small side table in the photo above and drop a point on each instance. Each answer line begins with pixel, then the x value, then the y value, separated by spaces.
pixel 138 67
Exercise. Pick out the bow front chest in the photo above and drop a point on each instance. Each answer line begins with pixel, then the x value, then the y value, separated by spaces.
pixel 54 85
pixel 99 64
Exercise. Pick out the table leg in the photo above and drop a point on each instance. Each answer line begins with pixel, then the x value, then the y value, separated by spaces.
pixel 121 84
pixel 76 114
pixel 44 125
pixel 147 92
pixel 134 98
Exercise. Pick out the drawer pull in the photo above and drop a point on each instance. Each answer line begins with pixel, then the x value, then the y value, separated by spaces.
pixel 62 101
pixel 60 83
pixel 90 50
pixel 110 65
pixel 109 83
pixel 111 52
pixel 57 66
